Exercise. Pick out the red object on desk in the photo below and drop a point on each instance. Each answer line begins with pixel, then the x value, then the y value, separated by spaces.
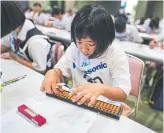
pixel 30 114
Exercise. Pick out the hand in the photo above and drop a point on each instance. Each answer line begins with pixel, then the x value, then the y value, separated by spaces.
pixel 162 45
pixel 10 55
pixel 152 44
pixel 87 93
pixel 50 81
pixel 50 24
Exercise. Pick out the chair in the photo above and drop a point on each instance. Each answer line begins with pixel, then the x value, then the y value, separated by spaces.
pixel 136 67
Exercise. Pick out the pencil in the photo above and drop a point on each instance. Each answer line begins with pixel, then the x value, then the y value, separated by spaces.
pixel 13 80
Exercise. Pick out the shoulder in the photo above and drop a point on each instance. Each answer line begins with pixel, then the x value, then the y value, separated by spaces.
pixel 72 49
pixel 131 28
pixel 38 42
pixel 114 49
pixel 115 53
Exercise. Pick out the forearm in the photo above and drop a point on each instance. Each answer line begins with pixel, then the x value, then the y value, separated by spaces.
pixel 114 93
pixel 4 49
pixel 58 72
pixel 24 62
pixel 28 64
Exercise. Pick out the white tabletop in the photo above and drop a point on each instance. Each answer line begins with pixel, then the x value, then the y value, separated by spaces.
pixel 124 125
pixel 142 51
pixel 16 93
pixel 147 36
pixel 56 33
pixel 135 49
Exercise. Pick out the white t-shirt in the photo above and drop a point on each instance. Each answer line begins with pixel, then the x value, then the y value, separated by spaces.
pixel 6 41
pixel 38 47
pixel 111 68
pixel 39 18
pixel 131 34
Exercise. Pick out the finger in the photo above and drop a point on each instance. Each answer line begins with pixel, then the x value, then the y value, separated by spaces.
pixel 42 87
pixel 80 95
pixel 3 56
pixel 48 89
pixel 76 90
pixel 54 88
pixel 92 101
pixel 84 99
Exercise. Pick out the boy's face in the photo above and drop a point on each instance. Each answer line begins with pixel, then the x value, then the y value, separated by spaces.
pixel 60 16
pixel 86 45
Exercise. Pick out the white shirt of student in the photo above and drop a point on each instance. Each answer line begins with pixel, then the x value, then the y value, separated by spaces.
pixel 39 18
pixel 131 34
pixel 64 23
pixel 111 68
pixel 38 47
pixel 5 41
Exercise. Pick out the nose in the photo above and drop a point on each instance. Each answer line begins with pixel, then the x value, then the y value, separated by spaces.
pixel 84 49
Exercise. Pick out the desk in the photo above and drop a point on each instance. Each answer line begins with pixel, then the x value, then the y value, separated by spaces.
pixel 56 34
pixel 16 93
pixel 147 36
pixel 141 51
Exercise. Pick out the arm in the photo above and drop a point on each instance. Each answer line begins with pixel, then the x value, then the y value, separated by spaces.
pixel 27 64
pixel 4 48
pixel 38 50
pixel 114 93
pixel 134 35
pixel 5 44
pixel 53 76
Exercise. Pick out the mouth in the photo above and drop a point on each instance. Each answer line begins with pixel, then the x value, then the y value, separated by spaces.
pixel 87 55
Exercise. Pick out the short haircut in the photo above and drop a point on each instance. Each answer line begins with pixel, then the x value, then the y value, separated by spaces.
pixel 142 21
pixel 120 24
pixel 57 11
pixel 154 23
pixel 95 22
pixel 37 4
pixel 12 17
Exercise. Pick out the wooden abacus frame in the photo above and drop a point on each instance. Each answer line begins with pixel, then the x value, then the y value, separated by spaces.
pixel 100 107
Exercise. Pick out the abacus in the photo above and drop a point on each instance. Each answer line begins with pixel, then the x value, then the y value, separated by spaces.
pixel 100 107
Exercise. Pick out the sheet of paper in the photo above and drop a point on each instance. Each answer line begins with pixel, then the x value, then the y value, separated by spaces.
pixel 61 117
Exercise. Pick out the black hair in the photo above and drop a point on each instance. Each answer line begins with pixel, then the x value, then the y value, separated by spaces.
pixel 57 11
pixel 123 16
pixel 154 23
pixel 142 21
pixel 37 4
pixel 120 24
pixel 12 17
pixel 95 22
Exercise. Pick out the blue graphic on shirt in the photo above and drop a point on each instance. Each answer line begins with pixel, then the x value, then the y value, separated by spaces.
pixel 93 69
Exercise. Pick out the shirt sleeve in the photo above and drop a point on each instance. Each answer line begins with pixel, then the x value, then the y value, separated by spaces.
pixel 120 70
pixel 66 60
pixel 5 41
pixel 134 35
pixel 38 50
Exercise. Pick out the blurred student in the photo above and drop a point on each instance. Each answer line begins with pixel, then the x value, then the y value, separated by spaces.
pixel 69 15
pixel 153 26
pixel 37 15
pixel 158 41
pixel 26 44
pixel 58 21
pixel 125 32
pixel 27 12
